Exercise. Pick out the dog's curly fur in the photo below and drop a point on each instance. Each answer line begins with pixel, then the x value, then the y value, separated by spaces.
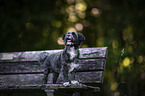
pixel 65 60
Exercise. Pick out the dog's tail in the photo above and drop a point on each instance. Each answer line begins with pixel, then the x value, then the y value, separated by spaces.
pixel 42 57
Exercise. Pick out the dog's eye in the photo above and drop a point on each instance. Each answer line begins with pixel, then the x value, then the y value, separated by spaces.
pixel 73 33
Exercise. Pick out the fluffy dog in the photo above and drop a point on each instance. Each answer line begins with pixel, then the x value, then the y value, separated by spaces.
pixel 65 60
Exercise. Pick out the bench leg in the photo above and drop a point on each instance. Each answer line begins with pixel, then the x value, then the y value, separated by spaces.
pixel 76 94
pixel 50 92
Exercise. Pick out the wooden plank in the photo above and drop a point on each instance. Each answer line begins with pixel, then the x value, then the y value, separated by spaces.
pixel 20 79
pixel 99 52
pixel 20 67
pixel 25 79
pixel 86 77
pixel 23 56
pixel 91 64
pixel 90 77
pixel 34 67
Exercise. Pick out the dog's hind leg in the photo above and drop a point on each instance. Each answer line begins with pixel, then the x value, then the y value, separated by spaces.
pixel 65 73
pixel 46 72
pixel 55 76
pixel 72 76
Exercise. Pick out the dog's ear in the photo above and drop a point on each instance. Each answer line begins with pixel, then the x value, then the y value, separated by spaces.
pixel 81 37
pixel 63 37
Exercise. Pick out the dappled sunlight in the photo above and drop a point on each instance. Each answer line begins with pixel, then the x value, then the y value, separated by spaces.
pixel 76 10
pixel 95 11
pixel 113 86
pixel 60 41
pixel 86 23
pixel 115 44
pixel 126 62
pixel 100 41
pixel 29 25
pixel 73 18
pixel 127 33
pixel 81 6
pixel 45 32
pixel 84 46
pixel 121 67
pixel 81 14
pixel 132 60
pixel 79 26
pixel 56 24
pixel 116 94
pixel 140 59
pixel 130 49
pixel 70 1
pixel 71 30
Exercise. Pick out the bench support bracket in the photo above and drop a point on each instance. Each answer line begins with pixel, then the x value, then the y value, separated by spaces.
pixel 49 92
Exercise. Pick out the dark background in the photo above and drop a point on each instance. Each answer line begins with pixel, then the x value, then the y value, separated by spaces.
pixel 28 25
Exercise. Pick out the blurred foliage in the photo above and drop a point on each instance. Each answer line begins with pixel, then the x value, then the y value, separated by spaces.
pixel 118 24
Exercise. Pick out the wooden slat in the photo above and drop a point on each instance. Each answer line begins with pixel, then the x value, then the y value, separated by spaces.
pixel 90 77
pixel 21 79
pixel 20 67
pixel 99 52
pixel 23 56
pixel 86 77
pixel 34 67
pixel 25 79
pixel 91 64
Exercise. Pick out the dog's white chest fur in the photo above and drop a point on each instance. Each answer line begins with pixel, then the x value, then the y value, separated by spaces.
pixel 73 66
pixel 72 53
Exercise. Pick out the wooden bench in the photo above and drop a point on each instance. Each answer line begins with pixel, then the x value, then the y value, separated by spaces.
pixel 23 71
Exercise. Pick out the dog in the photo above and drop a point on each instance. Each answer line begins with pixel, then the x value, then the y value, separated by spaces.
pixel 65 61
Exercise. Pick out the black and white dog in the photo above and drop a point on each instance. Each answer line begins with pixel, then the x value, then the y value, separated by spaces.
pixel 65 60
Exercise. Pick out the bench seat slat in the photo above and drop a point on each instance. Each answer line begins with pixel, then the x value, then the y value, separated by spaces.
pixel 24 79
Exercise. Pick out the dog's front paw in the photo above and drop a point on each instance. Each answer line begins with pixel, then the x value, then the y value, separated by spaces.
pixel 74 82
pixel 66 84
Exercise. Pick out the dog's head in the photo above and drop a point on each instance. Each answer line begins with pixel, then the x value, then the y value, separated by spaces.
pixel 73 38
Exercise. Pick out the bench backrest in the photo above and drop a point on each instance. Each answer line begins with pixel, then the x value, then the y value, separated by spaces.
pixel 23 68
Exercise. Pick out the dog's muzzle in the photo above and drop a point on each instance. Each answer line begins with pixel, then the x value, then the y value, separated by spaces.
pixel 70 40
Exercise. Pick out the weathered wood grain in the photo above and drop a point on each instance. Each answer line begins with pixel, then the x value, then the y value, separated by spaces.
pixel 35 67
pixel 86 77
pixel 90 77
pixel 25 79
pixel 21 79
pixel 99 52
pixel 20 67
pixel 91 64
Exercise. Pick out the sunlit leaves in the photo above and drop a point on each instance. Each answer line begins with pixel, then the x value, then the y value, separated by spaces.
pixel 81 6
pixel 126 62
